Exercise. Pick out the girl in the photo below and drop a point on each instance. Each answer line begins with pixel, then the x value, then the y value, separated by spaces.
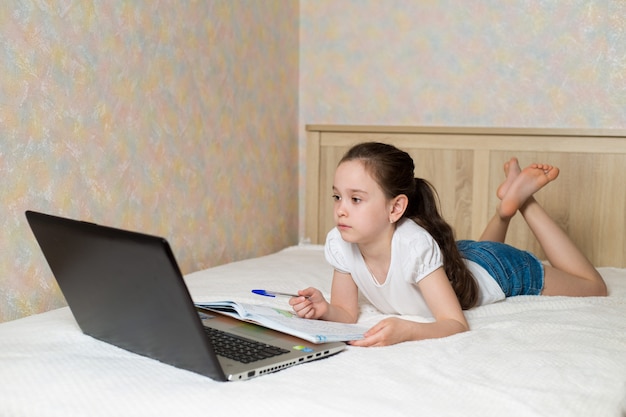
pixel 392 244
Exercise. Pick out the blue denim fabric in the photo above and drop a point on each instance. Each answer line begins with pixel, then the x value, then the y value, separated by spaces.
pixel 516 271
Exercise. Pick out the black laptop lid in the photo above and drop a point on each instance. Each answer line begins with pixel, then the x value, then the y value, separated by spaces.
pixel 125 288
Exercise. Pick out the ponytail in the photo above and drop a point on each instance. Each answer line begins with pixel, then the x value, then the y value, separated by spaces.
pixel 423 209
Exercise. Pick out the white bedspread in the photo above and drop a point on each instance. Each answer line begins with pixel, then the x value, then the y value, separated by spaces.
pixel 526 356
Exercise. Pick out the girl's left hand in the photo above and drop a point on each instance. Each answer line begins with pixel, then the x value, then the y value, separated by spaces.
pixel 389 332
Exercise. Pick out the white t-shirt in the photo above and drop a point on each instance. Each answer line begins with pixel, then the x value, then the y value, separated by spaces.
pixel 414 255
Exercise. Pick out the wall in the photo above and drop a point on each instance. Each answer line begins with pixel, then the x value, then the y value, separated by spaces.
pixel 452 62
pixel 171 118
pixel 511 63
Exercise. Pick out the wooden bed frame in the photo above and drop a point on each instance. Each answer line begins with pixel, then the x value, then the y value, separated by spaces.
pixel 466 166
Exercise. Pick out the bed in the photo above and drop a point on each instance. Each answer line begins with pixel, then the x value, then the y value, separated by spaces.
pixel 526 356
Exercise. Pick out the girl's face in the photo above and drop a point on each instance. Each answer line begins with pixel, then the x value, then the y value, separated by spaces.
pixel 361 209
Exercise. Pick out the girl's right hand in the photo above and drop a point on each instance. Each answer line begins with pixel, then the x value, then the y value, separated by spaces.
pixel 310 304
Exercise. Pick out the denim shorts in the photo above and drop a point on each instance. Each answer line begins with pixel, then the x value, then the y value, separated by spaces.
pixel 516 271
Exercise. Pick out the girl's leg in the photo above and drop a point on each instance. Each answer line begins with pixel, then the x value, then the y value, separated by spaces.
pixel 514 191
pixel 496 229
pixel 570 272
pixel 498 225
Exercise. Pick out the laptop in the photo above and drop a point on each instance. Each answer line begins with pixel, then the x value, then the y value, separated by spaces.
pixel 125 288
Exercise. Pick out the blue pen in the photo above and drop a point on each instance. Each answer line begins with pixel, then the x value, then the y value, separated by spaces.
pixel 268 293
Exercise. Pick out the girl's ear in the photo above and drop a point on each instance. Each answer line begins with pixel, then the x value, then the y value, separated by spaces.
pixel 397 208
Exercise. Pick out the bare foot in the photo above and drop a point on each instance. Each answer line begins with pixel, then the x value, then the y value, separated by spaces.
pixel 511 170
pixel 530 180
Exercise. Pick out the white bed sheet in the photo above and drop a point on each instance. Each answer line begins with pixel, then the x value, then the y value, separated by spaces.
pixel 526 356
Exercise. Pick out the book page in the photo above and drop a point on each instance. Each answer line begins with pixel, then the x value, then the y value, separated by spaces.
pixel 317 331
pixel 318 328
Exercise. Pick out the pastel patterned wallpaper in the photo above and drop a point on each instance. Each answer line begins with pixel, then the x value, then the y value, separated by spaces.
pixel 513 63
pixel 167 117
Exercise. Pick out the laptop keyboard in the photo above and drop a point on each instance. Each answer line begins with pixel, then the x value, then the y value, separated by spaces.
pixel 241 349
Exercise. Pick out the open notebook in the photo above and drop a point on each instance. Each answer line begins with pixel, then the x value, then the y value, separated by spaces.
pixel 315 331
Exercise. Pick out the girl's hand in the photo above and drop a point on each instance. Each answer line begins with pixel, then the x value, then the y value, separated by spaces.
pixel 388 332
pixel 310 304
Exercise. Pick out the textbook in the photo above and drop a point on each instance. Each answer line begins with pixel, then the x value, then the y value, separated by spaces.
pixel 315 331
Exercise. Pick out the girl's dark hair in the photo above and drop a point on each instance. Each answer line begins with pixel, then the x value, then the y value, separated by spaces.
pixel 393 170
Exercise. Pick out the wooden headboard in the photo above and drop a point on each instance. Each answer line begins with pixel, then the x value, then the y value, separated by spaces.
pixel 466 166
